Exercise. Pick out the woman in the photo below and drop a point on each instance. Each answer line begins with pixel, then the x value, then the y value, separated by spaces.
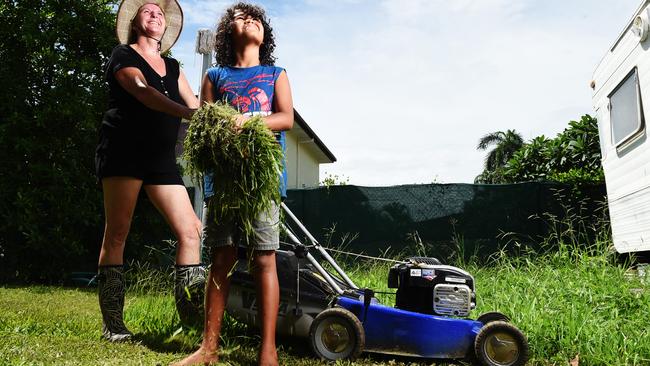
pixel 148 96
pixel 247 79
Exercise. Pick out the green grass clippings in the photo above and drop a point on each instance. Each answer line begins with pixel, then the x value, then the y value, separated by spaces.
pixel 246 164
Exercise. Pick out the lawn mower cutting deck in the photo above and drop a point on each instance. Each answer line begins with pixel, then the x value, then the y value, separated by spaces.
pixel 429 318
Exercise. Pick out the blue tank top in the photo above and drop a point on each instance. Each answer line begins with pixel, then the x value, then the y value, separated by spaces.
pixel 250 90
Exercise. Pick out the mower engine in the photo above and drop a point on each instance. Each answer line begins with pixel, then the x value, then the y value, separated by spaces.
pixel 426 286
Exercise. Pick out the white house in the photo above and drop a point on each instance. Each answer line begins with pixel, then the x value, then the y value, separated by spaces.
pixel 305 153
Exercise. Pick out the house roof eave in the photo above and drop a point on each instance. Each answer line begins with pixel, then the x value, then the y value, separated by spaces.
pixel 312 135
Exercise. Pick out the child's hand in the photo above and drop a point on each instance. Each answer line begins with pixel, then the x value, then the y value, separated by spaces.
pixel 240 120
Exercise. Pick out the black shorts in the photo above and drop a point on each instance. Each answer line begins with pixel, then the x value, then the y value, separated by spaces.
pixel 154 179
pixel 115 166
pixel 151 159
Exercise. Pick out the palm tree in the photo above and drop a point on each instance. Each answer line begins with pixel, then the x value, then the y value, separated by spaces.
pixel 506 145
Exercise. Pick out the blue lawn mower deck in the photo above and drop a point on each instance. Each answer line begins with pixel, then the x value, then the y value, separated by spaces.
pixel 341 320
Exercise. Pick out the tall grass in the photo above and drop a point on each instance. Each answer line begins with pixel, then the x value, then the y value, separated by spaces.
pixel 571 296
pixel 574 296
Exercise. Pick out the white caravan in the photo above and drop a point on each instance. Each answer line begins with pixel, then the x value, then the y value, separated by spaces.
pixel 621 98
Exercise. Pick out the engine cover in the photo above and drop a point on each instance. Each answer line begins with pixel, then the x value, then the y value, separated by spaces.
pixel 430 288
pixel 453 300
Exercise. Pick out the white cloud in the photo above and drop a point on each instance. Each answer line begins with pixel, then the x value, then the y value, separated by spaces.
pixel 401 91
pixel 458 12
pixel 203 13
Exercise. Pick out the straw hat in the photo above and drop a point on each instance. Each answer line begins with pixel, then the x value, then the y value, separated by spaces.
pixel 173 17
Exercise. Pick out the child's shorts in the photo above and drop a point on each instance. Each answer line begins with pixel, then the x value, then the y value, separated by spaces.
pixel 266 232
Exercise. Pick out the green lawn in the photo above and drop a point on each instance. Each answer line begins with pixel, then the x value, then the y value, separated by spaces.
pixel 61 326
pixel 51 325
pixel 567 303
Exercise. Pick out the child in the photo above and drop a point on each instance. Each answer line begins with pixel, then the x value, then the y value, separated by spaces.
pixel 247 79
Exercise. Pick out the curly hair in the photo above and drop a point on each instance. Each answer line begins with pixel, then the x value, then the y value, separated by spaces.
pixel 223 45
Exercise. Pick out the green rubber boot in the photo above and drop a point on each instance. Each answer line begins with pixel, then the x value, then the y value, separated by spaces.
pixel 111 303
pixel 189 292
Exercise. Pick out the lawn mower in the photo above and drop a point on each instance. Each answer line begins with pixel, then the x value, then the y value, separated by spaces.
pixel 341 320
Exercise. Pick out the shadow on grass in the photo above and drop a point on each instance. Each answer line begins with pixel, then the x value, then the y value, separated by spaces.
pixel 384 359
pixel 184 342
pixel 239 347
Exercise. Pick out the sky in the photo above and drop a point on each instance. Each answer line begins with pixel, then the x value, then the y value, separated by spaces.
pixel 401 91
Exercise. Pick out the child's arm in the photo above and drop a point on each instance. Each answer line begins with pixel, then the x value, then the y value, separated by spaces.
pixel 282 118
pixel 207 96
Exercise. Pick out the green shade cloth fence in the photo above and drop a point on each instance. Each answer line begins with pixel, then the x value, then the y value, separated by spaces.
pixel 478 216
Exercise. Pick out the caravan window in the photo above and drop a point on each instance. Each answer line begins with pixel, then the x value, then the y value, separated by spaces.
pixel 626 114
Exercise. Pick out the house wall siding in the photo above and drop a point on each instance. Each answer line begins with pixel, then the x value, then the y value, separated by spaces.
pixel 302 164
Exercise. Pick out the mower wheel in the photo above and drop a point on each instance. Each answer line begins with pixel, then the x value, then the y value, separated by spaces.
pixel 492 317
pixel 501 344
pixel 335 334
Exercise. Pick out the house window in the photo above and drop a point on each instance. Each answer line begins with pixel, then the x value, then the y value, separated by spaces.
pixel 625 109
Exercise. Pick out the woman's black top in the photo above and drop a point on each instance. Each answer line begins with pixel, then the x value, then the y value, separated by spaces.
pixel 135 140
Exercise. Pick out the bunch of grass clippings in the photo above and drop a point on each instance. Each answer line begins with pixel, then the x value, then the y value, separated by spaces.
pixel 245 164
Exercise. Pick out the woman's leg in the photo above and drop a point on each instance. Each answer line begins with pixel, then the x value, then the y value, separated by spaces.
pixel 189 286
pixel 268 295
pixel 120 197
pixel 174 204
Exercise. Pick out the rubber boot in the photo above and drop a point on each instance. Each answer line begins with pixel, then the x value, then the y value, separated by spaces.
pixel 111 303
pixel 189 291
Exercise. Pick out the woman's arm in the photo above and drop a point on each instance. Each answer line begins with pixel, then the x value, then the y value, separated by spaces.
pixel 282 118
pixel 132 80
pixel 186 91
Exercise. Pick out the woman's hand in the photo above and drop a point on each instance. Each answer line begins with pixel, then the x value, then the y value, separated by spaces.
pixel 189 113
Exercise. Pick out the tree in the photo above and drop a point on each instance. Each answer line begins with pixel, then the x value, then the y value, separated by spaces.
pixel 506 144
pixel 53 96
pixel 530 163
pixel 334 180
pixel 573 156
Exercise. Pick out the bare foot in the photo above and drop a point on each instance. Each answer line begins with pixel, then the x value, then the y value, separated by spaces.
pixel 268 357
pixel 200 357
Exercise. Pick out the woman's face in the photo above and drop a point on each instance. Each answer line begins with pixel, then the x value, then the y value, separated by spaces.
pixel 246 27
pixel 150 20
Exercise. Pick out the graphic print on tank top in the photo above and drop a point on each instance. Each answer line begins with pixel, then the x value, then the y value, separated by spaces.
pixel 252 95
